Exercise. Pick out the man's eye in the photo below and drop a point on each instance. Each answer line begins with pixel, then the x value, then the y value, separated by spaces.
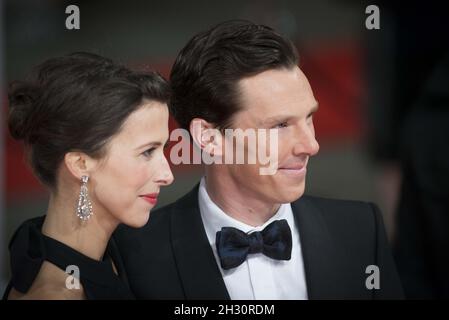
pixel 310 117
pixel 281 125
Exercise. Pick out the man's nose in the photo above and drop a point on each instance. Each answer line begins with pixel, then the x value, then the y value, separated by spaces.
pixel 306 142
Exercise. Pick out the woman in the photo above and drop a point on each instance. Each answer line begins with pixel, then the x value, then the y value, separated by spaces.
pixel 95 133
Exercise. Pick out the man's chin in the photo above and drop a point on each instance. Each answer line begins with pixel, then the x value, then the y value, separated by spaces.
pixel 293 194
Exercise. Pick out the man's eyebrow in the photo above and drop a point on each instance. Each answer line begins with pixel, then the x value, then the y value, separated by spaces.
pixel 276 119
pixel 280 119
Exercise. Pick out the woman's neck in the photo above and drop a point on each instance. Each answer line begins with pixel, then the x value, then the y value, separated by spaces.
pixel 87 237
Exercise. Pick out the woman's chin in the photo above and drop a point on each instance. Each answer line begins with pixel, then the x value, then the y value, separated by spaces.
pixel 138 221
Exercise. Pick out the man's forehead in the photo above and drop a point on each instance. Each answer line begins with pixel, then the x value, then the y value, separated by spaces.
pixel 274 84
pixel 265 77
pixel 274 91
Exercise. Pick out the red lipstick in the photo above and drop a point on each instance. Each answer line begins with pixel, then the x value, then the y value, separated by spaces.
pixel 150 197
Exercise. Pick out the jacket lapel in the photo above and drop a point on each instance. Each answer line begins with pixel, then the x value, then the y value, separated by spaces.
pixel 323 260
pixel 199 273
pixel 198 270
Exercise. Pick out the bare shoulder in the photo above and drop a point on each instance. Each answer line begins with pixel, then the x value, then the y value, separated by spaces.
pixel 47 292
pixel 15 295
pixel 52 291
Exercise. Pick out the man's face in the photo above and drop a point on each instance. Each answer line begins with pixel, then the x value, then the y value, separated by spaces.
pixel 279 100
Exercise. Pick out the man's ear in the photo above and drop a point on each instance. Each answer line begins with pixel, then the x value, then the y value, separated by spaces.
pixel 79 164
pixel 208 138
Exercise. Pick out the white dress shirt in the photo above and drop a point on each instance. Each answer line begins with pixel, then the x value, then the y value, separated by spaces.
pixel 259 277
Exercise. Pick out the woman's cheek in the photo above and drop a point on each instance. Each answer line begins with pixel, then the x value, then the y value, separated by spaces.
pixel 142 174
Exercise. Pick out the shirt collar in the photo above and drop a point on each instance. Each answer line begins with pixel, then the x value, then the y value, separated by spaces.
pixel 214 218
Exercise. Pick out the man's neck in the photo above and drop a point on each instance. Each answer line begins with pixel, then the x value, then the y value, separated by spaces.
pixel 237 202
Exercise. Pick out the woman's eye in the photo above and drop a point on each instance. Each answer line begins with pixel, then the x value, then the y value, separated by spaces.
pixel 147 153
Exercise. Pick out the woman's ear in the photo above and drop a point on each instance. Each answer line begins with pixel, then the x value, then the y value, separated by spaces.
pixel 207 137
pixel 79 164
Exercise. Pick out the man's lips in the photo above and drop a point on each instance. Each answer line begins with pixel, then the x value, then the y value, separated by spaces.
pixel 294 169
pixel 150 197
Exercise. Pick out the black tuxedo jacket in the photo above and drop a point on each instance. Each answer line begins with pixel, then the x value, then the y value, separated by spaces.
pixel 170 257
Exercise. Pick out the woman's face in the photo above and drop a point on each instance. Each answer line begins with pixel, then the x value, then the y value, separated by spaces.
pixel 127 181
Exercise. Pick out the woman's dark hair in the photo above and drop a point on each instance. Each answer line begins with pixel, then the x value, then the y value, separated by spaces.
pixel 76 102
pixel 205 74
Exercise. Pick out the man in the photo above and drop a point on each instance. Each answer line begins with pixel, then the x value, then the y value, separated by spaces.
pixel 239 75
pixel 241 234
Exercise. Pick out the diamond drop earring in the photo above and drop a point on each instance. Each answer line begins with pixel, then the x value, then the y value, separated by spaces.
pixel 84 208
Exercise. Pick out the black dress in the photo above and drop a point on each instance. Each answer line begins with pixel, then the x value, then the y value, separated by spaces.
pixel 29 248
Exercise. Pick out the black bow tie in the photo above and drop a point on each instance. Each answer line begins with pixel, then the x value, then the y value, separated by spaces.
pixel 233 245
